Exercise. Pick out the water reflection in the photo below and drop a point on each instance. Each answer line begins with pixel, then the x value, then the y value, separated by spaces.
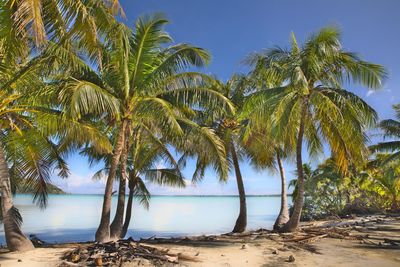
pixel 75 217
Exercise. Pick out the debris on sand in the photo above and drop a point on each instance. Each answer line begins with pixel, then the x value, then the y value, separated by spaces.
pixel 121 251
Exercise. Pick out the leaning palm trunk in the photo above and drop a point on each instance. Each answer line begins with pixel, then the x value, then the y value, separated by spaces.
pixel 241 221
pixel 103 232
pixel 117 224
pixel 294 220
pixel 283 216
pixel 128 213
pixel 15 239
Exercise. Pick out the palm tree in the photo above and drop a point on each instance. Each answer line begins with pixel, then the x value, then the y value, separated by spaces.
pixel 266 149
pixel 308 174
pixel 313 105
pixel 138 189
pixel 59 21
pixel 391 129
pixel 283 216
pixel 383 179
pixel 31 121
pixel 145 151
pixel 388 186
pixel 28 154
pixel 149 145
pixel 265 152
pixel 325 190
pixel 15 239
pixel 229 128
pixel 142 81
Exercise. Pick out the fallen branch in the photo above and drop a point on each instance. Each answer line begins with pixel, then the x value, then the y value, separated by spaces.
pixel 184 257
pixel 158 257
pixel 312 239
pixel 306 239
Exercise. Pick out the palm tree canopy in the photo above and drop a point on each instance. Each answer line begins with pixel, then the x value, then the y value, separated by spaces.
pixel 35 135
pixel 312 78
pixel 84 22
pixel 145 155
pixel 391 130
pixel 144 80
pixel 225 123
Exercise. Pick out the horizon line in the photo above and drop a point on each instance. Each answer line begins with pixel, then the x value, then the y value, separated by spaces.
pixel 162 195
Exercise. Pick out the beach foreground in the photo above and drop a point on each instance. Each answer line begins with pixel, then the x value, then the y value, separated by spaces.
pixel 362 241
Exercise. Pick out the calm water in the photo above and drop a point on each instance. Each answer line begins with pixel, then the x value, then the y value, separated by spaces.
pixel 75 217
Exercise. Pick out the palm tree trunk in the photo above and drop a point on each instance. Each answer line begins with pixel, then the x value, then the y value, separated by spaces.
pixel 117 223
pixel 241 222
pixel 294 220
pixel 283 216
pixel 15 239
pixel 103 231
pixel 128 213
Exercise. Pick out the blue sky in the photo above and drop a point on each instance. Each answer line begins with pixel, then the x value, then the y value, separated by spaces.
pixel 232 29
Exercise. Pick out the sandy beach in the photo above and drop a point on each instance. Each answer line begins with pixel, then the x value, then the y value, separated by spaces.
pixel 370 241
pixel 199 133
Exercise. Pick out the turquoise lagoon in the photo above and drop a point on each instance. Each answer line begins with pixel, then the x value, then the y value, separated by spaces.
pixel 75 217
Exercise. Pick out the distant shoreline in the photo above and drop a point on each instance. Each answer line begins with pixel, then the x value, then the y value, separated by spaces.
pixel 267 195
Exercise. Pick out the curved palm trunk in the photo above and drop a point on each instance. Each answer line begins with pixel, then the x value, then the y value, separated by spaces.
pixel 15 239
pixel 294 220
pixel 103 231
pixel 241 222
pixel 117 223
pixel 128 213
pixel 283 216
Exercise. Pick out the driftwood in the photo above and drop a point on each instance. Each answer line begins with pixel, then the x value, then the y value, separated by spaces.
pixel 312 239
pixel 366 226
pixel 158 257
pixel 344 230
pixel 365 231
pixel 184 257
pixel 115 253
pixel 395 242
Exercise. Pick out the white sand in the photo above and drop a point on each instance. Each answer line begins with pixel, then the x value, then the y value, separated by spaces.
pixel 328 252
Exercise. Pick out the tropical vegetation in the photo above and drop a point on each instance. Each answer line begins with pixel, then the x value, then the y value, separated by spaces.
pixel 75 78
pixel 312 105
pixel 228 127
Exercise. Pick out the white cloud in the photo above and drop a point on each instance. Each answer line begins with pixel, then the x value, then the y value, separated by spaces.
pixel 201 188
pixel 255 183
pixel 77 183
pixel 188 183
pixel 370 92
